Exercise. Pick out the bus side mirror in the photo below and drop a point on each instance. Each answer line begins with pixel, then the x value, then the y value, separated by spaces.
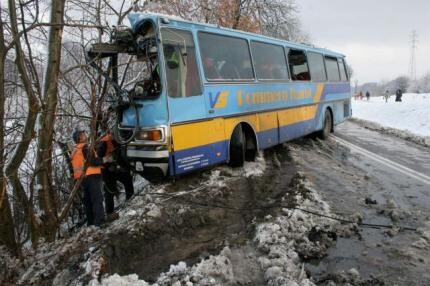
pixel 172 64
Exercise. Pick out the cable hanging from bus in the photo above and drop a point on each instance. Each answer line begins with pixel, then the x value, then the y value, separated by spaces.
pixel 188 96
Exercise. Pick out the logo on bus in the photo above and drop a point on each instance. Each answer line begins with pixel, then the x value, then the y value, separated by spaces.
pixel 218 100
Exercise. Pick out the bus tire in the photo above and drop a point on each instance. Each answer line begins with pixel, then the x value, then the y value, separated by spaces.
pixel 327 126
pixel 237 147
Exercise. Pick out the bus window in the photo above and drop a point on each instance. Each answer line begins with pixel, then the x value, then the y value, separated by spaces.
pixel 342 67
pixel 332 69
pixel 225 58
pixel 180 63
pixel 316 65
pixel 298 63
pixel 269 61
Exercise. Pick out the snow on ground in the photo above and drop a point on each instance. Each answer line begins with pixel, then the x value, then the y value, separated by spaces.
pixel 412 114
pixel 277 240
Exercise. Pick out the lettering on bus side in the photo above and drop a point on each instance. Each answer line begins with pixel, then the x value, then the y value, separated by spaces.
pixel 272 97
pixel 192 162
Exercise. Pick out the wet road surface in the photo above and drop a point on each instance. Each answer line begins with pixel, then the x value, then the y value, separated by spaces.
pixel 385 180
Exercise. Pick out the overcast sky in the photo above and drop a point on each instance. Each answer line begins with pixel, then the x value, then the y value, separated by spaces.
pixel 373 34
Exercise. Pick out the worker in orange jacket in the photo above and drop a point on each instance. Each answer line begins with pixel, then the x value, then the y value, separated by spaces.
pixel 91 183
pixel 113 171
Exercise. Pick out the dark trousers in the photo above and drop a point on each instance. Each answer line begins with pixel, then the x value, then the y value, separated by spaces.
pixel 93 199
pixel 110 189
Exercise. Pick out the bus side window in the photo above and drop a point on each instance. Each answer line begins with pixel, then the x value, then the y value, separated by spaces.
pixel 210 68
pixel 224 57
pixel 180 63
pixel 332 68
pixel 316 64
pixel 298 64
pixel 269 61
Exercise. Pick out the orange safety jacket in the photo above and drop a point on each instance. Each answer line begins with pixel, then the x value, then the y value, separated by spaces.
pixel 109 144
pixel 78 162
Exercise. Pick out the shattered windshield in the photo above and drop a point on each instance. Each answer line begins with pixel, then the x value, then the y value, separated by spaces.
pixel 139 72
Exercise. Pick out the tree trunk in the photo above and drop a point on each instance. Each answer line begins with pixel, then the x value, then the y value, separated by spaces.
pixel 48 201
pixel 237 14
pixel 21 148
pixel 7 229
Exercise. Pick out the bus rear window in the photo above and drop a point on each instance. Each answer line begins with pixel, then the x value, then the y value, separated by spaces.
pixel 298 63
pixel 269 61
pixel 225 58
pixel 332 69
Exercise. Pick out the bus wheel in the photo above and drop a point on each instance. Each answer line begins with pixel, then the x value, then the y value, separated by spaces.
pixel 237 147
pixel 325 132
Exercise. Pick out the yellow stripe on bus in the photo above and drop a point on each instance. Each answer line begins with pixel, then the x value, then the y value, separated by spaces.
pixel 296 115
pixel 197 134
pixel 318 92
pixel 201 133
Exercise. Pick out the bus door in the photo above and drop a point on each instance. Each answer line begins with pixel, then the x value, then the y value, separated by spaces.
pixel 185 99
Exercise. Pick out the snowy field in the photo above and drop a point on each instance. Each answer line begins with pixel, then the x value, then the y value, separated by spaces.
pixel 412 114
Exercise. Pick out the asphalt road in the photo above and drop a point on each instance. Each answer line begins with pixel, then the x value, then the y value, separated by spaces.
pixel 385 180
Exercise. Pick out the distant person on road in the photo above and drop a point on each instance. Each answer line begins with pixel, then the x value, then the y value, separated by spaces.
pixel 361 95
pixel 367 95
pixel 399 95
pixel 386 96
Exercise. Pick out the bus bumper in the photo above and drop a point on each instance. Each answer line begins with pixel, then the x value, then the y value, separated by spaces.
pixel 147 160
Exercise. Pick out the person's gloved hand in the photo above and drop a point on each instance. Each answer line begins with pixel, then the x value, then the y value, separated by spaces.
pixel 108 159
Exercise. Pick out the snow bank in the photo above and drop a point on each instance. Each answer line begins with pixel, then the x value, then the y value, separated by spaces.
pixel 412 114
pixel 282 239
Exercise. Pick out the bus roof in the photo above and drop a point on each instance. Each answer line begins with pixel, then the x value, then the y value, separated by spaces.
pixel 138 18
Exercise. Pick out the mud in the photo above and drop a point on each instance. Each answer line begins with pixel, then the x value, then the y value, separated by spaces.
pixel 209 220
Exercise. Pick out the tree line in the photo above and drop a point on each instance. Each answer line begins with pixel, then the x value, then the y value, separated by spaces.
pixel 404 83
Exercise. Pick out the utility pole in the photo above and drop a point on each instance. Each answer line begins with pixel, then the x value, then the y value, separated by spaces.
pixel 412 60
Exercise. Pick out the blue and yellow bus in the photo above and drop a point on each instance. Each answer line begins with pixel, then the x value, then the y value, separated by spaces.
pixel 194 95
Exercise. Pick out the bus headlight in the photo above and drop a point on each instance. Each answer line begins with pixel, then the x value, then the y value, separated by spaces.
pixel 150 135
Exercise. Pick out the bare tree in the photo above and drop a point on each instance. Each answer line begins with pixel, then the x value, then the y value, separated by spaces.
pixel 47 194
pixel 7 231
pixel 275 18
pixel 21 148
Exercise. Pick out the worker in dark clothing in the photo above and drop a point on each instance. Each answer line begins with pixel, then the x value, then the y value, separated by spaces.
pixel 84 160
pixel 113 172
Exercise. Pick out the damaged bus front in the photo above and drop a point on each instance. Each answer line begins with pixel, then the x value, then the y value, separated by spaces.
pixel 133 65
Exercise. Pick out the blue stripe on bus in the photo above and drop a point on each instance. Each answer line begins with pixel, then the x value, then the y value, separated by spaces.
pixel 200 157
pixel 293 131
pixel 268 138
